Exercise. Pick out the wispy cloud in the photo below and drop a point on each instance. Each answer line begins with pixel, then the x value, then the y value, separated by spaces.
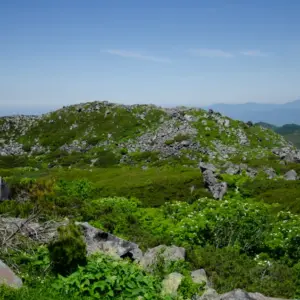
pixel 255 53
pixel 136 55
pixel 205 52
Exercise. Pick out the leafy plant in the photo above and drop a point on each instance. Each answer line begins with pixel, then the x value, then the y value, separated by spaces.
pixel 108 278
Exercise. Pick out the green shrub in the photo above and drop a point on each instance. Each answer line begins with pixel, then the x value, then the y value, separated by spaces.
pixel 108 278
pixel 188 288
pixel 68 251
pixel 228 270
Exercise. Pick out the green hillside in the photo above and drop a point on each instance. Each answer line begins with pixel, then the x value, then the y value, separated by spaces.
pixel 148 175
pixel 291 132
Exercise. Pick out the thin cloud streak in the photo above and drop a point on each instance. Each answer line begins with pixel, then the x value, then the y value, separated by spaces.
pixel 205 52
pixel 254 53
pixel 136 55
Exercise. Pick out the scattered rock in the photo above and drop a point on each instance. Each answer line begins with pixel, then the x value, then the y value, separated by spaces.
pixel 207 166
pixel 199 276
pixel 98 240
pixel 218 189
pixel 290 175
pixel 76 146
pixel 166 253
pixel 288 154
pixel 171 284
pixel 271 173
pixel 251 172
pixel 233 170
pixel 8 277
pixel 209 294
pixel 209 178
pixel 242 295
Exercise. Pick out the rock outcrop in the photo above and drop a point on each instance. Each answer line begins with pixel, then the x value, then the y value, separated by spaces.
pixel 98 240
pixel 217 189
pixel 287 154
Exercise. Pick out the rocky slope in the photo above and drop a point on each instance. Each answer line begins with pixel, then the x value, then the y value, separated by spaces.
pixel 291 132
pixel 102 133
pixel 99 241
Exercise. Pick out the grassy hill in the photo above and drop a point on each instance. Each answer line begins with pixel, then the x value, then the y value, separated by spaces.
pixel 105 134
pixel 134 171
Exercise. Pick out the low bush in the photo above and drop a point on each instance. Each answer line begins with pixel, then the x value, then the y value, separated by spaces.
pixel 68 251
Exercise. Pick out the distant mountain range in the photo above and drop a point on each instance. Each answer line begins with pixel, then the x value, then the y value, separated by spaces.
pixel 277 114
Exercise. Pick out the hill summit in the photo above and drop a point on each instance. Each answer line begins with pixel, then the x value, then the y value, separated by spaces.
pixel 105 134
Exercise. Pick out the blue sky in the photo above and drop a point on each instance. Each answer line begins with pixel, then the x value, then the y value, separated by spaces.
pixel 166 52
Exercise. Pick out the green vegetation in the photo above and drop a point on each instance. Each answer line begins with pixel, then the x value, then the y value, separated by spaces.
pixel 291 132
pixel 89 169
pixel 68 251
pixel 240 242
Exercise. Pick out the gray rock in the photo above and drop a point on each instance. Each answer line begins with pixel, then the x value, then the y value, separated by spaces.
pixel 288 154
pixel 251 172
pixel 209 178
pixel 237 294
pixel 271 173
pixel 171 284
pixel 242 295
pixel 207 166
pixel 98 240
pixel 199 276
pixel 189 118
pixel 209 294
pixel 233 170
pixel 290 175
pixel 166 253
pixel 8 277
pixel 219 190
pixel 185 143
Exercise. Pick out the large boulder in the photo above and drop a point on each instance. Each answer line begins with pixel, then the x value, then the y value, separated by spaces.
pixel 98 240
pixel 166 254
pixel 8 277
